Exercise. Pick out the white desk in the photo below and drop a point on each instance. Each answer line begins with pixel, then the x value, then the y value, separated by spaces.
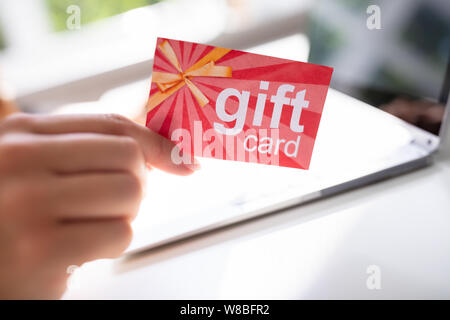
pixel 319 250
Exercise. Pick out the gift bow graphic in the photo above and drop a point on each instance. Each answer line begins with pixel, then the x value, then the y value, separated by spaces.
pixel 169 83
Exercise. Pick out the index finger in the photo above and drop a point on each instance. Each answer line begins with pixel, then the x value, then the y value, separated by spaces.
pixel 157 150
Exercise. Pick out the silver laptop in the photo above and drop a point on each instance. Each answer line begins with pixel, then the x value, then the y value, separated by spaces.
pixel 384 114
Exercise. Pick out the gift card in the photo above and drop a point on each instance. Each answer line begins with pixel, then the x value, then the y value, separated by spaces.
pixel 234 105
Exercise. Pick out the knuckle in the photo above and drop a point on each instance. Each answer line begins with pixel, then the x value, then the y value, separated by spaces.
pixel 131 192
pixel 124 235
pixel 132 185
pixel 132 151
pixel 131 146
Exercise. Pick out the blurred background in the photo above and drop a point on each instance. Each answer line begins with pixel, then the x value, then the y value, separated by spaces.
pixel 109 58
pixel 51 65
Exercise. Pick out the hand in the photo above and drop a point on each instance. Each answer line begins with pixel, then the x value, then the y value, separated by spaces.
pixel 69 188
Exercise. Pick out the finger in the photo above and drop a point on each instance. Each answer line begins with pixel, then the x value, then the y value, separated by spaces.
pixel 95 196
pixel 77 243
pixel 78 152
pixel 157 149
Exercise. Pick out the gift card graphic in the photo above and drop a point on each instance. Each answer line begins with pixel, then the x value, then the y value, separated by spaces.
pixel 234 105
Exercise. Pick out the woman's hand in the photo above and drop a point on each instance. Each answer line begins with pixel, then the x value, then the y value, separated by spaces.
pixel 69 188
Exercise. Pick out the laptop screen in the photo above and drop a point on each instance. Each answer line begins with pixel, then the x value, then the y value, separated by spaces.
pixel 390 54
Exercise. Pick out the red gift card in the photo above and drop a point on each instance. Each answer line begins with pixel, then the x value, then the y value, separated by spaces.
pixel 234 105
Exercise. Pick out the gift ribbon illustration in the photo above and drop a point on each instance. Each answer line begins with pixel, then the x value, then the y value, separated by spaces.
pixel 169 83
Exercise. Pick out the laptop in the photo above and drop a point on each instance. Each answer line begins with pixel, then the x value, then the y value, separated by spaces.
pixel 385 114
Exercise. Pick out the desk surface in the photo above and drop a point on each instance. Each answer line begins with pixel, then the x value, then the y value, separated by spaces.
pixel 319 250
